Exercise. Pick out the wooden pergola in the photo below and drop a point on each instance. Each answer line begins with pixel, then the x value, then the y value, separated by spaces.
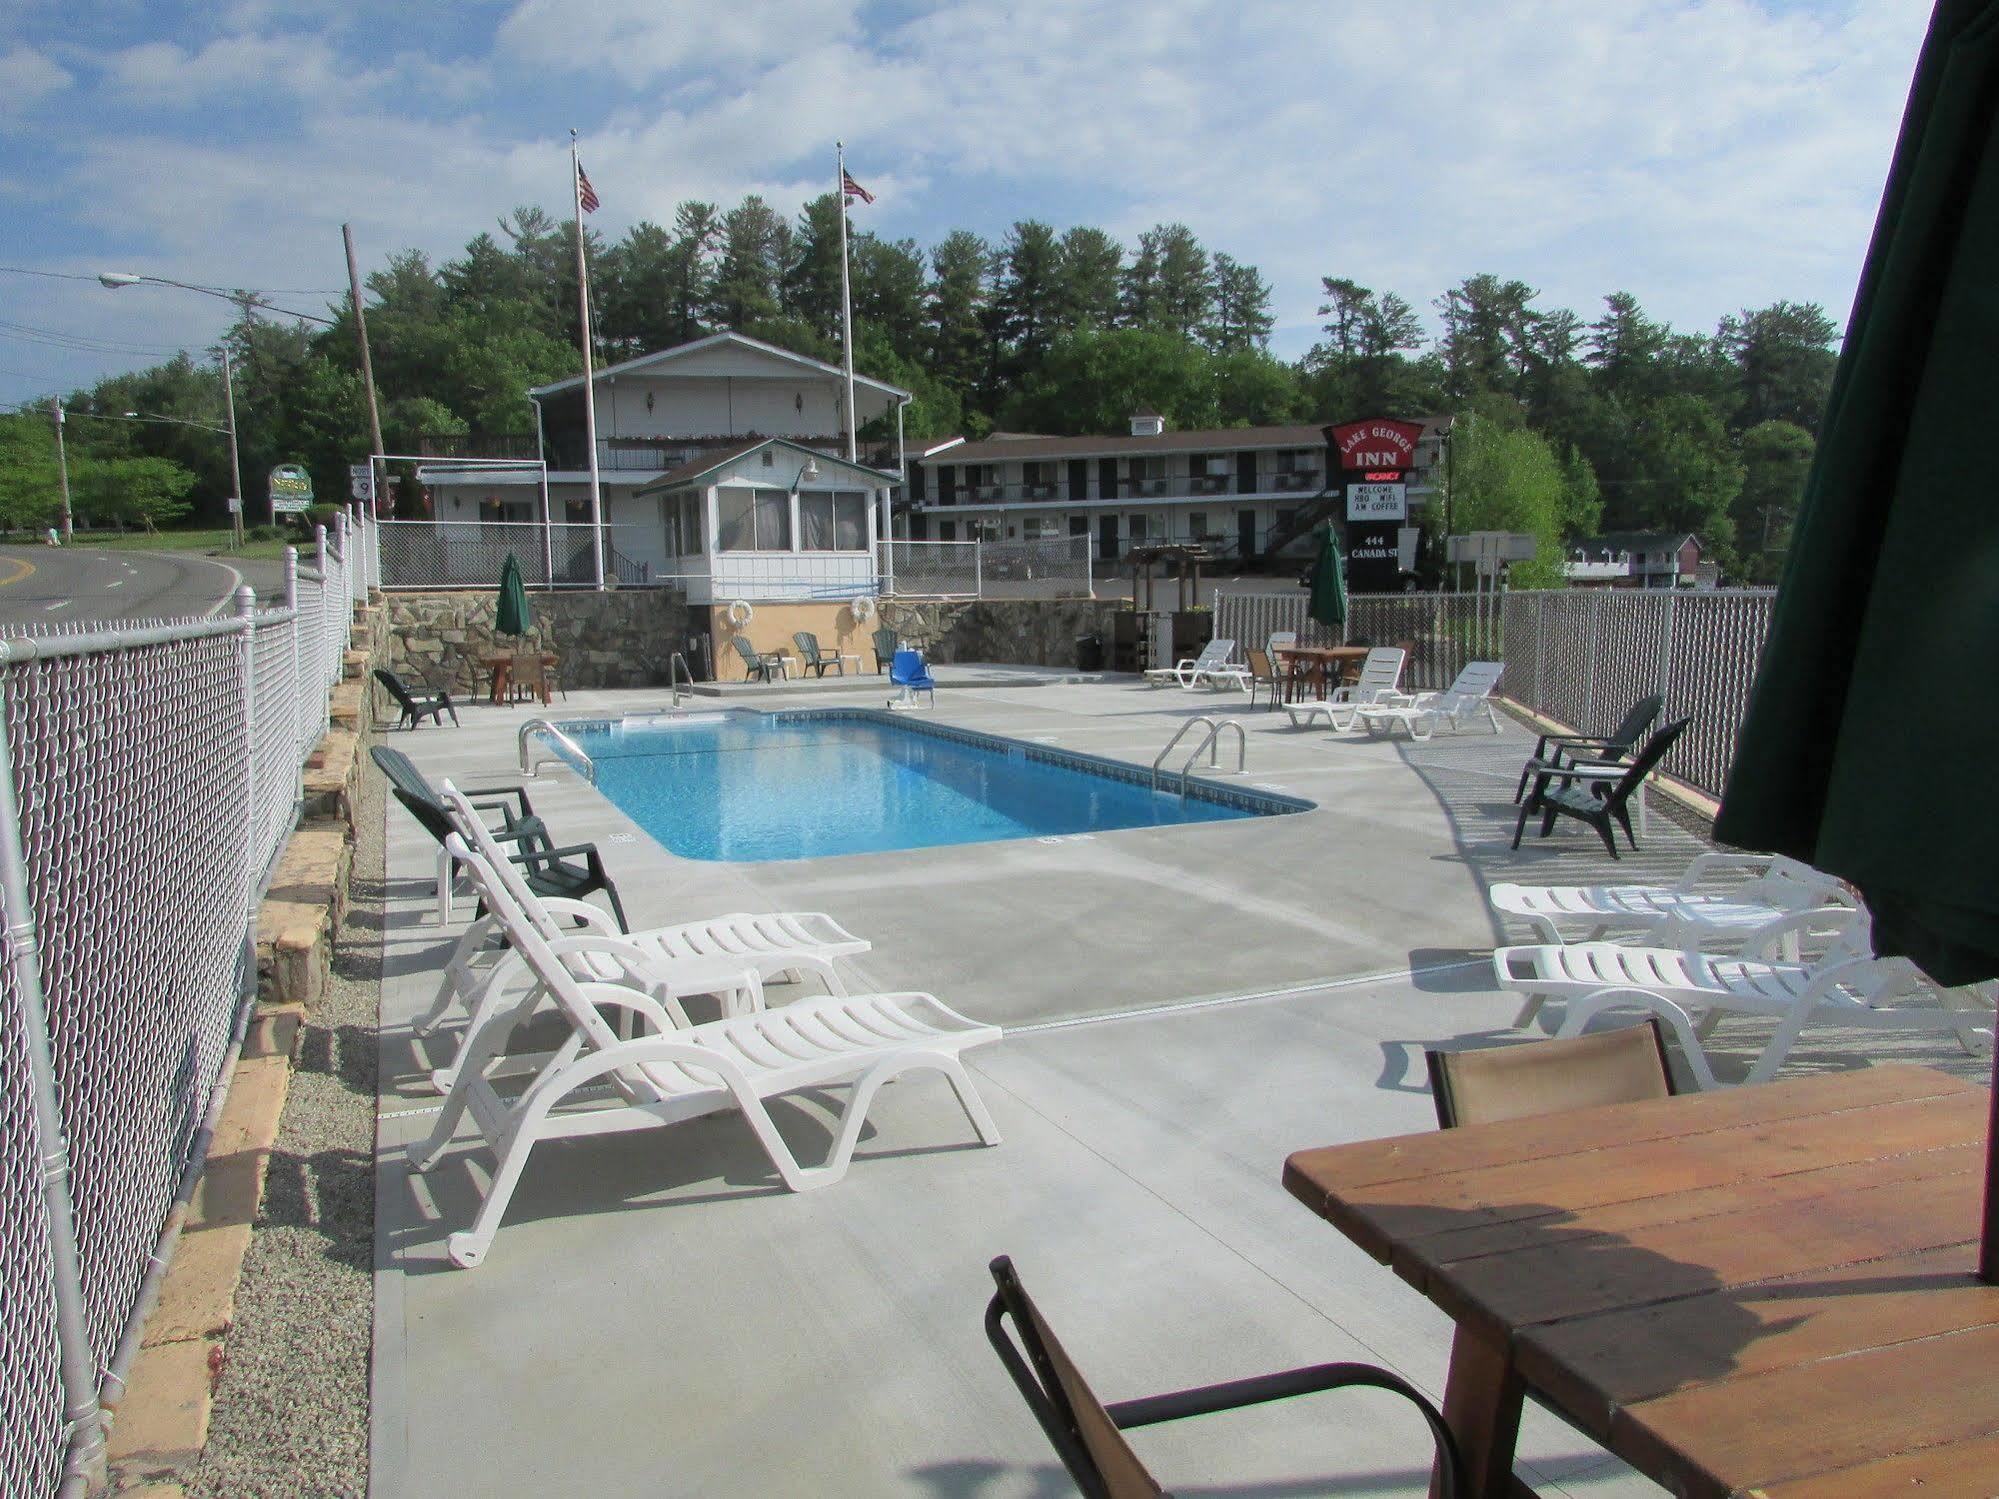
pixel 1184 559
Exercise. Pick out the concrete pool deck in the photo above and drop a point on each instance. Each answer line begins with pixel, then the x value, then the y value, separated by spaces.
pixel 1185 1006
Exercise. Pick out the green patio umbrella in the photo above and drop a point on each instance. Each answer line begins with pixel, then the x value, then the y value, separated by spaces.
pixel 1329 584
pixel 512 616
pixel 1872 731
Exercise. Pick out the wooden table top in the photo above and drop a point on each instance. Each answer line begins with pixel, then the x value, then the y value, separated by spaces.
pixel 1325 652
pixel 1768 1289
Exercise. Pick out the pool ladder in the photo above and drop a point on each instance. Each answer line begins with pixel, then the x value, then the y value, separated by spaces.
pixel 526 746
pixel 676 668
pixel 1209 742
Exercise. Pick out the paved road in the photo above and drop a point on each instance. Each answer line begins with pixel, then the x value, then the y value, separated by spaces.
pixel 44 585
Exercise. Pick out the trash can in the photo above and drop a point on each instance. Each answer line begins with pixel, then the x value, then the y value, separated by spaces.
pixel 1089 653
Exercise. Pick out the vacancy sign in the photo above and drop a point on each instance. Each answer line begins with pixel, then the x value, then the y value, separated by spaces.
pixel 1373 502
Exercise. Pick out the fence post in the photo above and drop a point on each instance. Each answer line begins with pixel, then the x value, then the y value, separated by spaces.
pixel 1090 568
pixel 1589 676
pixel 82 1415
pixel 325 592
pixel 1666 647
pixel 978 570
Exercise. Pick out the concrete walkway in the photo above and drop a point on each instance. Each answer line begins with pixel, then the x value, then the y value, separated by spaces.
pixel 1185 1007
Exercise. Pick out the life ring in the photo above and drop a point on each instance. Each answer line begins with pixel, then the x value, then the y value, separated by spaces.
pixel 740 612
pixel 863 609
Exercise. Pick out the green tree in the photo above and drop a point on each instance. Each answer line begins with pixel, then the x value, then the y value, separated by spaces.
pixel 1027 296
pixel 756 249
pixel 30 497
pixel 1624 346
pixel 147 492
pixel 1254 390
pixel 1505 477
pixel 1783 356
pixel 1776 458
pixel 1242 307
pixel 811 284
pixel 888 295
pixel 957 311
pixel 1094 378
pixel 1488 340
pixel 1088 267
pixel 1170 284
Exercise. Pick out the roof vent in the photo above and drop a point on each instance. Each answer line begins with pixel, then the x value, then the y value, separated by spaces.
pixel 1145 422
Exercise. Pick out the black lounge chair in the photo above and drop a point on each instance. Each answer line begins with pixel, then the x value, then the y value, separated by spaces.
pixel 884 643
pixel 811 657
pixel 1599 795
pixel 1553 751
pixel 547 869
pixel 1089 1436
pixel 759 664
pixel 416 707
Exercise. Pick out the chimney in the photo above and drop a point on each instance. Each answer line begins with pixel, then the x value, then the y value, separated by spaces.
pixel 1145 422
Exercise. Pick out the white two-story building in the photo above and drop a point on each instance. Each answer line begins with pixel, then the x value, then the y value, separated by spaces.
pixel 721 469
pixel 1242 490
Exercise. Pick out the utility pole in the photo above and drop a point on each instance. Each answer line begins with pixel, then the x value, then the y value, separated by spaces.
pixel 367 366
pixel 62 472
pixel 235 462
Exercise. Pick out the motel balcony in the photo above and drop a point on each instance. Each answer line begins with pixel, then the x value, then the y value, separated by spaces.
pixel 567 452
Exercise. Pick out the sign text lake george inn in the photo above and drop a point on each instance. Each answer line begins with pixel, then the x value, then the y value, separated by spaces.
pixel 1376 456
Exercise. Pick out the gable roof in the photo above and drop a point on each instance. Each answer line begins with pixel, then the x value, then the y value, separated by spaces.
pixel 716 340
pixel 704 464
pixel 1636 541
pixel 1000 448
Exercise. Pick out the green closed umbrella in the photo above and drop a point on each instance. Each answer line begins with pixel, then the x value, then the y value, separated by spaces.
pixel 1872 731
pixel 512 616
pixel 1329 584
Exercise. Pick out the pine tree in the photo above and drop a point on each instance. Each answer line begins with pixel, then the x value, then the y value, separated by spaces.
pixel 1242 317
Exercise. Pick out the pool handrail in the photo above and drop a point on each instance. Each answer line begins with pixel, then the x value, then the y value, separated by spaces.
pixel 1209 742
pixel 582 764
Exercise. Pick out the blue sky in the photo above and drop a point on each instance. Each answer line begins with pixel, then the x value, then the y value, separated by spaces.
pixel 1704 156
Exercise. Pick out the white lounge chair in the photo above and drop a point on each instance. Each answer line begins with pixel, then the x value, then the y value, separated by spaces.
pixel 1421 712
pixel 1204 669
pixel 671 962
pixel 1380 672
pixel 675 1073
pixel 1690 991
pixel 1682 913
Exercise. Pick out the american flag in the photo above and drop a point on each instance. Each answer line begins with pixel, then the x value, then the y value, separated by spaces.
pixel 853 189
pixel 585 193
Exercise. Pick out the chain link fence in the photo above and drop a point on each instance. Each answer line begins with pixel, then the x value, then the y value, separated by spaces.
pixel 149 778
pixel 1582 657
pixel 1052 567
pixel 470 554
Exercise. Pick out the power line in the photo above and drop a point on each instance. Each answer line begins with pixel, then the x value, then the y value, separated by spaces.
pixel 275 291
pixel 83 343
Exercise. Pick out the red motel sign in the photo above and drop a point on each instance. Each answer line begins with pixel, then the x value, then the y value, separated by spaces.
pixel 1376 444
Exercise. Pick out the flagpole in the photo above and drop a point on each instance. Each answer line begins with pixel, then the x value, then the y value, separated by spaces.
pixel 589 378
pixel 846 292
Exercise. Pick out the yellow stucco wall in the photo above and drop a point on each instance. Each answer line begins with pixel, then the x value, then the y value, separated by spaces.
pixel 771 628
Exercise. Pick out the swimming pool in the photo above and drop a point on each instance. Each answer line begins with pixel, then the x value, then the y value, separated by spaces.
pixel 743 786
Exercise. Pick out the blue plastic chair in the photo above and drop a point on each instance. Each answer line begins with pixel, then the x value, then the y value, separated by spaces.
pixel 908 672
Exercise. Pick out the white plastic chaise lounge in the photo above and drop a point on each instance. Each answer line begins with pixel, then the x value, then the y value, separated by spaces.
pixel 669 962
pixel 1422 712
pixel 1692 911
pixel 671 1073
pixel 1380 672
pixel 1197 671
pixel 1690 991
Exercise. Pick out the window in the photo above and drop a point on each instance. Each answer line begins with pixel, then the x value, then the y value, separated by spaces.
pixel 833 520
pixel 1148 468
pixel 493 508
pixel 680 515
pixel 752 520
pixel 1040 527
pixel 980 477
pixel 1037 480
pixel 692 523
pixel 1197 523
pixel 1135 527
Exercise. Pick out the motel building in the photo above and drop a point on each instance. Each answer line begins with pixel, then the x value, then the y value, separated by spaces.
pixel 1246 492
pixel 722 469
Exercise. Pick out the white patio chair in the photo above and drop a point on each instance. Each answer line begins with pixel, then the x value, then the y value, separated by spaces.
pixel 1422 712
pixel 1768 888
pixel 677 1072
pixel 1380 672
pixel 1691 991
pixel 671 962
pixel 1194 671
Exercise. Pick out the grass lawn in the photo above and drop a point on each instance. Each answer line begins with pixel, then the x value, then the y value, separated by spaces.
pixel 214 542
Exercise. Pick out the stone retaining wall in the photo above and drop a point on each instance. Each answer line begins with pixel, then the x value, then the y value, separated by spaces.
pixel 619 638
pixel 1020 632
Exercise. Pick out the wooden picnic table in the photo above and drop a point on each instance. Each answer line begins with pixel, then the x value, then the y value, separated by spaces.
pixel 502 669
pixel 1767 1290
pixel 1319 661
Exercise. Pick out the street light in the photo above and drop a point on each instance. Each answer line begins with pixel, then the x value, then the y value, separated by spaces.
pixel 249 301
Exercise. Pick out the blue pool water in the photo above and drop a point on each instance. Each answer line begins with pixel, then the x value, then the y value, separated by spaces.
pixel 742 786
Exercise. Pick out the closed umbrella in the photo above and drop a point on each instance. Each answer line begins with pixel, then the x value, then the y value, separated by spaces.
pixel 512 616
pixel 1329 584
pixel 1871 735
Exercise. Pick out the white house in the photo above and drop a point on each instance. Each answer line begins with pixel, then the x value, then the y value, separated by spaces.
pixel 736 414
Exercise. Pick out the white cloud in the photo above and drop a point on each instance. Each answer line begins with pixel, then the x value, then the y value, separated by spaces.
pixel 165 73
pixel 643 40
pixel 26 78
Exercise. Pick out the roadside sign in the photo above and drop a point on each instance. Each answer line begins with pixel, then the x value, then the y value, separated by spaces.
pixel 361 481
pixel 1373 502
pixel 291 489
pixel 235 505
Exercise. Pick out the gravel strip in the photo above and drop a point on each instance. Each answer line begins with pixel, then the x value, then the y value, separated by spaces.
pixel 291 1412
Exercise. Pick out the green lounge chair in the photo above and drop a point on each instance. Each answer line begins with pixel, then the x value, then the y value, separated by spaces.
pixel 760 665
pixel 416 707
pixel 812 657
pixel 548 869
pixel 884 640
